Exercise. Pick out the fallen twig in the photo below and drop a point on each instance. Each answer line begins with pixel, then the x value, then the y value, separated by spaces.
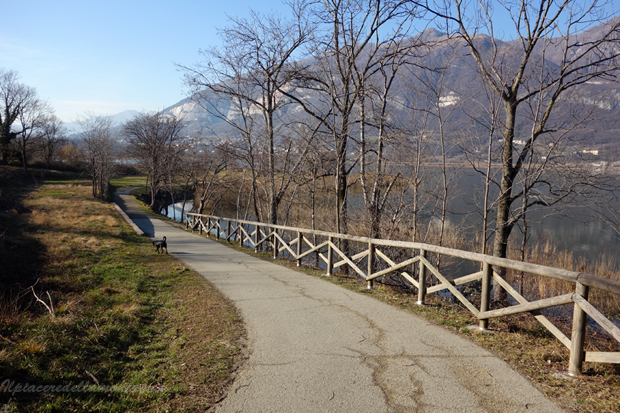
pixel 92 376
pixel 50 307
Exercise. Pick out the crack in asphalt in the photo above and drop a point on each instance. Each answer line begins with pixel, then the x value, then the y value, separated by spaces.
pixel 378 364
pixel 401 396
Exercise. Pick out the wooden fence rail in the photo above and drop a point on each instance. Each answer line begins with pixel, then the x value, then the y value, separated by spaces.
pixel 299 245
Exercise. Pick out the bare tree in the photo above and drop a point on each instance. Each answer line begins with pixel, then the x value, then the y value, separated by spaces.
pixel 154 139
pixel 51 139
pixel 481 153
pixel 608 210
pixel 13 97
pixel 99 145
pixel 518 73
pixel 189 169
pixel 210 181
pixel 374 81
pixel 70 154
pixel 236 114
pixel 414 154
pixel 440 102
pixel 350 41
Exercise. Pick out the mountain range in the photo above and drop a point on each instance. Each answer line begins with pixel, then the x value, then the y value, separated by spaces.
pixel 461 88
pixel 74 128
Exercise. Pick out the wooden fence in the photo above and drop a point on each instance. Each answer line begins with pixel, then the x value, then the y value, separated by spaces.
pixel 301 243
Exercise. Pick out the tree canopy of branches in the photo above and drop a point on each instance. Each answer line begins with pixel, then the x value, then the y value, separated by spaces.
pixel 245 76
pixel 15 97
pixel 334 75
pixel 52 137
pixel 154 140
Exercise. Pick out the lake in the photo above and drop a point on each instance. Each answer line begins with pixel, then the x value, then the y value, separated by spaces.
pixel 573 228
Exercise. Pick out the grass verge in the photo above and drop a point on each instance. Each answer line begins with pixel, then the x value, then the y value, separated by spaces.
pixel 519 340
pixel 122 329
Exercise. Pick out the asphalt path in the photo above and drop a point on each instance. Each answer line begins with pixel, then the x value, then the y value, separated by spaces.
pixel 316 347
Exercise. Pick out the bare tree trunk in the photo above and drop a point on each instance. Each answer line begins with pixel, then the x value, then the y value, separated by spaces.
pixel 313 212
pixel 487 188
pixel 504 201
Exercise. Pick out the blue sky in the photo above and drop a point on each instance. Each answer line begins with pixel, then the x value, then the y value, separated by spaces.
pixel 104 57
pixel 108 56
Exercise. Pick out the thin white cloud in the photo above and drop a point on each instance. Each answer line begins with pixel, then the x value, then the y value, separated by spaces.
pixel 69 110
pixel 16 57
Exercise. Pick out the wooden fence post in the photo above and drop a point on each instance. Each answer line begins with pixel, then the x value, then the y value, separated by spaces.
pixel 256 239
pixel 217 229
pixel 240 233
pixel 275 244
pixel 300 239
pixel 485 293
pixel 330 258
pixel 580 319
pixel 422 280
pixel 228 231
pixel 371 263
pixel 200 225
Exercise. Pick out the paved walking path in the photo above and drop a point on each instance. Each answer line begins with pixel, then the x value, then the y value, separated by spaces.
pixel 317 347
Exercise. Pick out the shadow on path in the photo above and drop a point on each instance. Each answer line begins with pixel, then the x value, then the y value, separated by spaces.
pixel 125 201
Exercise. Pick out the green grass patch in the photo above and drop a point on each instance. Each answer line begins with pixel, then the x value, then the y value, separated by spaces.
pixel 128 181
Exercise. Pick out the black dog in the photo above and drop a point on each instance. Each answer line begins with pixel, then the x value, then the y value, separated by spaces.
pixel 161 245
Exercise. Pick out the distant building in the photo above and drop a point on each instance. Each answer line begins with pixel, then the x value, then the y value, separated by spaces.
pixel 590 151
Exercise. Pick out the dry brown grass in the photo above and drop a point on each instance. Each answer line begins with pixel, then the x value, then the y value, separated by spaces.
pixel 536 287
pixel 10 307
pixel 65 215
pixel 31 348
pixel 41 218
